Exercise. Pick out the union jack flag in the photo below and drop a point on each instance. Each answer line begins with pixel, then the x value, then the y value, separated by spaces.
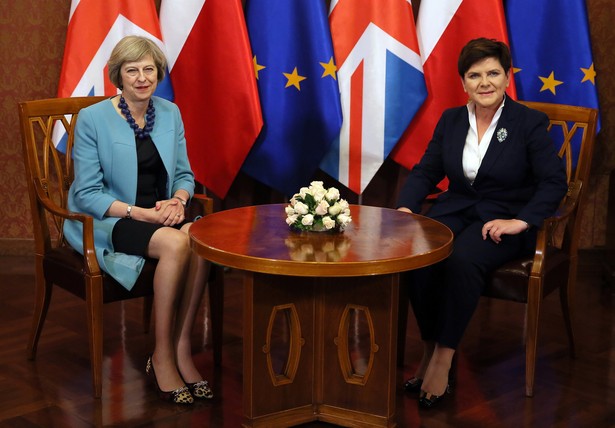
pixel 381 85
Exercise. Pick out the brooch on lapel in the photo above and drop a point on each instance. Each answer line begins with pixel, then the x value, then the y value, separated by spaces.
pixel 502 134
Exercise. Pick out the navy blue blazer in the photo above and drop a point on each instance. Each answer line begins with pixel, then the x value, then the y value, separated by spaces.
pixel 520 177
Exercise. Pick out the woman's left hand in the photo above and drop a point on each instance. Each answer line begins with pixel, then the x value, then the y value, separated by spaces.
pixel 171 212
pixel 494 229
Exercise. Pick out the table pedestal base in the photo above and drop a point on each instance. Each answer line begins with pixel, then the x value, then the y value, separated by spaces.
pixel 320 349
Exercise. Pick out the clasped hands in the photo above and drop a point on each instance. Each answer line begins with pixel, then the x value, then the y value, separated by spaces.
pixel 494 229
pixel 169 212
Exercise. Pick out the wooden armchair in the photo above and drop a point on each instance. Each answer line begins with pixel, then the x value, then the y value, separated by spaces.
pixel 553 265
pixel 49 174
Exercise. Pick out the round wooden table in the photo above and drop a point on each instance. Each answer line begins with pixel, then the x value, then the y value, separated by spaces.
pixel 320 309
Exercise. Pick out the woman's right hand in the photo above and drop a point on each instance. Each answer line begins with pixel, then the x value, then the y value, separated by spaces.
pixel 404 209
pixel 170 212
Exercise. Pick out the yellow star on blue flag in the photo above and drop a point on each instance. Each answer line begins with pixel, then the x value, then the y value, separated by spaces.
pixel 302 112
pixel 552 52
pixel 549 83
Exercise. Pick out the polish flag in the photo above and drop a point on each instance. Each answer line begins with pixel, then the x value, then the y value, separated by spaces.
pixel 213 77
pixel 443 28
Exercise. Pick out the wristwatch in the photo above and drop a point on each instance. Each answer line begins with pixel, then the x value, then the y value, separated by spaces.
pixel 180 200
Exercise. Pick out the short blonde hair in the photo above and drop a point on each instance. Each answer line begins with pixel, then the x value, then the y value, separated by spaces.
pixel 130 49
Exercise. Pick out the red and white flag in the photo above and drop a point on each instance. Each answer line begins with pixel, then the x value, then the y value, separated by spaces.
pixel 443 28
pixel 213 78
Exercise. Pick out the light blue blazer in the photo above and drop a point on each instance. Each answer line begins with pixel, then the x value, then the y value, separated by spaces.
pixel 105 160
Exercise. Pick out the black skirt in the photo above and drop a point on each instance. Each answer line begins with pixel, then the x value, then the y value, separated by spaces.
pixel 132 236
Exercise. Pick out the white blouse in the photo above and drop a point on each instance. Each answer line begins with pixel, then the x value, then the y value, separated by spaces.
pixel 474 150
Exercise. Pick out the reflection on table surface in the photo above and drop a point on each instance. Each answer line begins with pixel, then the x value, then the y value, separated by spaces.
pixel 333 248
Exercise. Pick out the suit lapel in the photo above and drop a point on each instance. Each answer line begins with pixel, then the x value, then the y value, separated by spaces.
pixel 460 132
pixel 505 125
pixel 456 147
pixel 162 136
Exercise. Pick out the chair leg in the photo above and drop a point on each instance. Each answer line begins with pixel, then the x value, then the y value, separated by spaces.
pixel 94 303
pixel 532 314
pixel 216 308
pixel 41 305
pixel 566 301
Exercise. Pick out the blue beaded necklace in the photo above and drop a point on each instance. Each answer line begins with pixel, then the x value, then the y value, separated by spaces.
pixel 150 118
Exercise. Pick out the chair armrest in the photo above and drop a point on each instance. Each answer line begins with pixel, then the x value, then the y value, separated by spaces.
pixel 205 202
pixel 570 203
pixel 89 252
pixel 551 225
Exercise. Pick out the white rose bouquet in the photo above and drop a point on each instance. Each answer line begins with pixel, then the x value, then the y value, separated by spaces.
pixel 315 208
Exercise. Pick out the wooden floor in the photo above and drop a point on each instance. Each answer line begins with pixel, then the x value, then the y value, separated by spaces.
pixel 55 390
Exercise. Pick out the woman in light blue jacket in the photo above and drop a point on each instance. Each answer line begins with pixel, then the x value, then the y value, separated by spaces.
pixel 133 176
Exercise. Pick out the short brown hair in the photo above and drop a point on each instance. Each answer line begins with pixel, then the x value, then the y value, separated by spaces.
pixel 130 49
pixel 481 48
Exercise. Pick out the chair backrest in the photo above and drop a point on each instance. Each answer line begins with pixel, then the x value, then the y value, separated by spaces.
pixel 577 127
pixel 49 170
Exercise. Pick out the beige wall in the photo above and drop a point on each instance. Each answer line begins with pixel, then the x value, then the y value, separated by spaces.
pixel 32 36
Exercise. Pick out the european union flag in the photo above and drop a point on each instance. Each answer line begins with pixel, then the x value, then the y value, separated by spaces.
pixel 298 89
pixel 551 49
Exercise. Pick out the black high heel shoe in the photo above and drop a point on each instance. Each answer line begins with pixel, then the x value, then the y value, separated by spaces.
pixel 180 395
pixel 413 385
pixel 429 400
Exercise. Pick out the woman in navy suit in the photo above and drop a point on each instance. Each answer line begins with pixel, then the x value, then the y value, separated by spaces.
pixel 133 176
pixel 504 179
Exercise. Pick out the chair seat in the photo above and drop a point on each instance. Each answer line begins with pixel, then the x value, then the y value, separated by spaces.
pixel 510 281
pixel 64 267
